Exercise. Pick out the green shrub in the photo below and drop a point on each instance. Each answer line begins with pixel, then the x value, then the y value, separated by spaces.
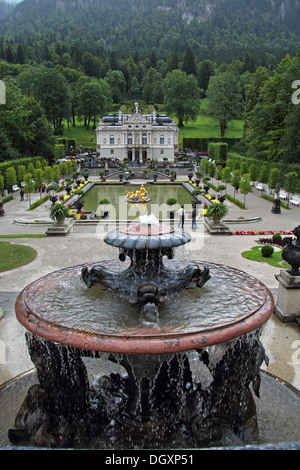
pixel 276 237
pixel 235 201
pixel 171 201
pixel 218 151
pixel 267 251
pixel 216 210
pixel 7 198
pixel 39 202
pixel 78 192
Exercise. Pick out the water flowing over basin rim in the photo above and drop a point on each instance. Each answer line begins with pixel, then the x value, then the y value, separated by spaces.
pixel 146 339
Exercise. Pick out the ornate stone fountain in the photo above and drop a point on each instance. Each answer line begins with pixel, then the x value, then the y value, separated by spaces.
pixel 188 355
pixel 147 282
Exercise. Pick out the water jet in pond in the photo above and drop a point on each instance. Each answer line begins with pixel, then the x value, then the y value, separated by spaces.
pixel 159 400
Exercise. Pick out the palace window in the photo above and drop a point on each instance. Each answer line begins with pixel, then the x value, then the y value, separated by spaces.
pixel 144 139
pixel 129 139
pixel 162 140
pixel 111 139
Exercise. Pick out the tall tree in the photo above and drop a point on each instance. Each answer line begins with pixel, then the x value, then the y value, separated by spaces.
pixel 224 99
pixel 205 71
pixel 173 61
pixel 189 63
pixel 117 83
pixel 272 125
pixel 55 97
pixel 24 126
pixel 93 99
pixel 181 96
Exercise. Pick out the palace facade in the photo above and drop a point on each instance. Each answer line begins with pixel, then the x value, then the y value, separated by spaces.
pixel 137 136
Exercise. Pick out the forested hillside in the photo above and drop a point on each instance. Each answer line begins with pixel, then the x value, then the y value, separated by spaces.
pixel 5 9
pixel 219 30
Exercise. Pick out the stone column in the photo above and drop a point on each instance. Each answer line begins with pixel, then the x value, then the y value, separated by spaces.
pixel 287 306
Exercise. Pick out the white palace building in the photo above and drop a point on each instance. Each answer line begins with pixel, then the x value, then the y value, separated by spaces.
pixel 137 136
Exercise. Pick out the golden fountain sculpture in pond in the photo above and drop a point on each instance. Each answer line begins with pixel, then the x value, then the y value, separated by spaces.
pixel 140 195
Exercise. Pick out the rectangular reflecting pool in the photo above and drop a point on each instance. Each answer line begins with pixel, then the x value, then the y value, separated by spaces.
pixel 120 209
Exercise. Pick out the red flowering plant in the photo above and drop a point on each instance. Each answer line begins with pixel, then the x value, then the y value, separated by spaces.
pixel 263 232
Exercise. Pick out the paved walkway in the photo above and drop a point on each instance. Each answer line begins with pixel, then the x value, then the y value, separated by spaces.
pixel 85 244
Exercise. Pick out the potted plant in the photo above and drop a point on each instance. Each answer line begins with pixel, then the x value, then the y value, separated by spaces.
pixel 216 211
pixel 59 212
pixel 198 177
pixel 170 202
pixel 103 202
pixel 78 192
pixel 85 173
pixel 190 173
pixel 101 174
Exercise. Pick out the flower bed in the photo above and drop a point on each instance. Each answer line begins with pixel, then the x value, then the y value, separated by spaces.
pixel 270 241
pixel 264 232
pixel 211 198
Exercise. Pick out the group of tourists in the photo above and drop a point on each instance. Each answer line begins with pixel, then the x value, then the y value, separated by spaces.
pixel 181 216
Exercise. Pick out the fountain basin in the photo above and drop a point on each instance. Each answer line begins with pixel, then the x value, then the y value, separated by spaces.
pixel 185 372
pixel 50 307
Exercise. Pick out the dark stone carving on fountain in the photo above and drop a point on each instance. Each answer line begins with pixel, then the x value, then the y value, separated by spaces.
pixel 231 381
pixel 291 252
pixel 54 411
pixel 147 282
pixel 159 394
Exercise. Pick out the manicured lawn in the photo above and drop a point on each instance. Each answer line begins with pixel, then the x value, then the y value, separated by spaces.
pixel 81 134
pixel 274 260
pixel 14 256
pixel 205 127
pixel 25 235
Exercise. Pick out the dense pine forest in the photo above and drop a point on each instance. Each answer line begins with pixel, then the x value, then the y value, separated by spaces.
pixel 64 60
pixel 218 30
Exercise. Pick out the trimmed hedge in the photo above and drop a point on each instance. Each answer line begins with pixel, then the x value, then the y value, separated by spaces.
pixel 218 151
pixel 39 202
pixel 284 167
pixel 59 151
pixel 235 201
pixel 16 163
pixel 201 144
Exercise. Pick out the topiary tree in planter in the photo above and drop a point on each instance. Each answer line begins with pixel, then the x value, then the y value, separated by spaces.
pixel 190 173
pixel 216 211
pixel 170 202
pixel 104 202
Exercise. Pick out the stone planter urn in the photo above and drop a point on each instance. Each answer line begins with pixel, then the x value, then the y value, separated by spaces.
pixel 60 220
pixel 291 253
